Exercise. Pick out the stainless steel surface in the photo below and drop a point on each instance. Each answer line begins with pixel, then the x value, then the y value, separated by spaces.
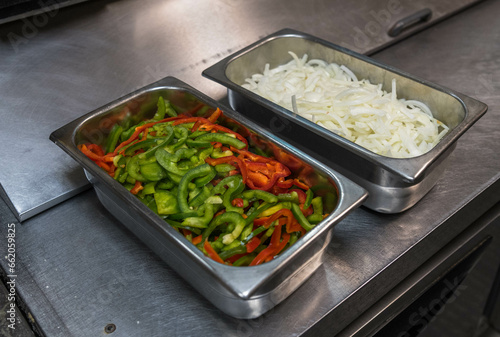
pixel 394 184
pixel 483 232
pixel 79 269
pixel 245 292
pixel 58 66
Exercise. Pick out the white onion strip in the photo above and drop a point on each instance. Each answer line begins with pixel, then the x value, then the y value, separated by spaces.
pixel 332 97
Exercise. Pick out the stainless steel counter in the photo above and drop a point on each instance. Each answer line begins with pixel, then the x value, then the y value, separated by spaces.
pixel 79 270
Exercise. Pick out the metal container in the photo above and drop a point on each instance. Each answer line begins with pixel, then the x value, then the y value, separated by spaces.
pixel 394 185
pixel 242 292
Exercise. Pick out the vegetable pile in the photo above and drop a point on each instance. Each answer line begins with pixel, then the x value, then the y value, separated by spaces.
pixel 332 97
pixel 240 208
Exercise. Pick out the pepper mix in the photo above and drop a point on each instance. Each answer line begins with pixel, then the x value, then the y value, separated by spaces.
pixel 239 207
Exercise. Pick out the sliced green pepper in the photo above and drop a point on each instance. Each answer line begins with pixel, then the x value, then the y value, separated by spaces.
pixel 113 137
pixel 203 221
pixel 223 138
pixel 317 215
pixel 182 194
pixel 153 172
pixel 297 213
pixel 166 202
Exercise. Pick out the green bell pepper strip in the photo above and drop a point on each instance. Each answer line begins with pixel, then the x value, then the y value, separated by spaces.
pixel 229 217
pixel 160 112
pixel 182 135
pixel 149 188
pixel 182 216
pixel 239 224
pixel 252 195
pixel 220 188
pixel 113 137
pixel 253 234
pixel 252 216
pixel 133 169
pixel 236 186
pixel 218 153
pixel 196 134
pixel 153 172
pixel 205 193
pixel 224 168
pixel 297 213
pixel 245 260
pixel 177 224
pixel 293 238
pixel 309 198
pixel 202 181
pixel 169 109
pixel 226 254
pixel 221 138
pixel 167 140
pixel 166 202
pixel 165 184
pixel 197 143
pixel 317 215
pixel 292 197
pixel 169 161
pixel 150 203
pixel 201 221
pixel 182 194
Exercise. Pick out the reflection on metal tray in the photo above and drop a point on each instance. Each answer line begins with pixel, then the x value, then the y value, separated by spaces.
pixel 394 185
pixel 242 292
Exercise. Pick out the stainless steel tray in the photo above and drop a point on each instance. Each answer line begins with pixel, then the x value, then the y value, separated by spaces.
pixel 394 185
pixel 242 292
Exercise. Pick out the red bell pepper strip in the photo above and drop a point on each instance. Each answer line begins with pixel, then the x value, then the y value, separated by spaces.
pixel 252 244
pixel 137 187
pixel 197 239
pixel 274 248
pixel 237 202
pixel 190 120
pixel 211 252
pixel 215 116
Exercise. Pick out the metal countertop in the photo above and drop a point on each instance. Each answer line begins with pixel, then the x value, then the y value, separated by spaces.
pixel 65 62
pixel 79 269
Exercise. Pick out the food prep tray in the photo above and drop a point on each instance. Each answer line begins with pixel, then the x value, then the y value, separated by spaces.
pixel 394 185
pixel 242 292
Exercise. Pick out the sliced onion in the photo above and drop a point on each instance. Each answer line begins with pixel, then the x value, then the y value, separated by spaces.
pixel 332 97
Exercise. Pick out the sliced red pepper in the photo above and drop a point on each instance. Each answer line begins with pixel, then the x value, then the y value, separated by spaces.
pixel 287 159
pixel 275 216
pixel 211 252
pixel 197 239
pixel 215 115
pixel 252 244
pixel 300 184
pixel 230 159
pixel 270 250
pixel 300 193
pixel 137 187
pixel 295 227
pixel 191 120
pixel 235 258
pixel 282 183
pixel 237 202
